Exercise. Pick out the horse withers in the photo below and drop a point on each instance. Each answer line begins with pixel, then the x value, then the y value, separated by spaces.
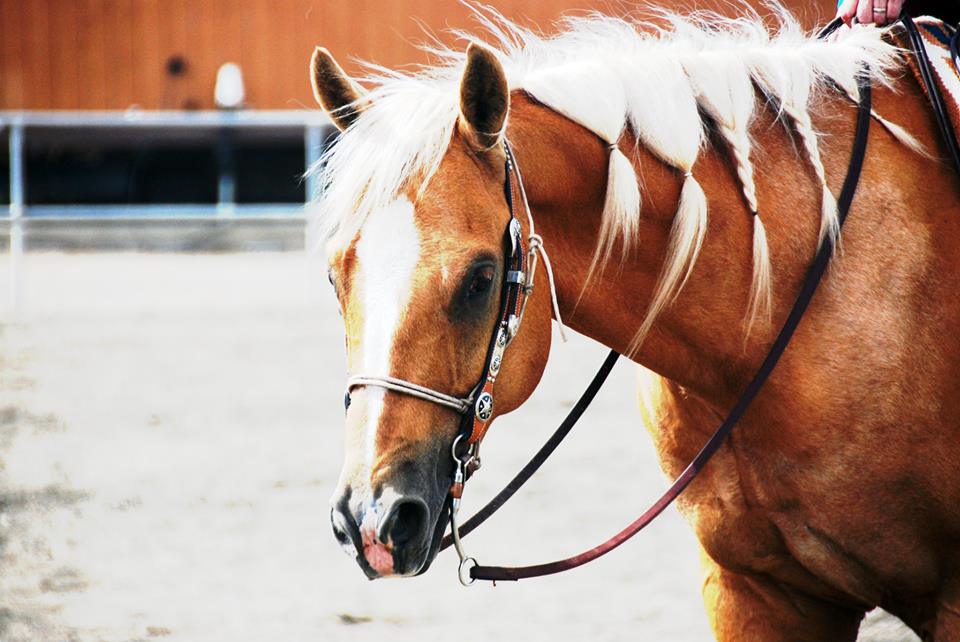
pixel 838 491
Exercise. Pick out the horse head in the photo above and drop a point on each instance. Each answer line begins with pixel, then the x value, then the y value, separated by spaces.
pixel 420 286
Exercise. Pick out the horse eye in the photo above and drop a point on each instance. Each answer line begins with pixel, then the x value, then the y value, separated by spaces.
pixel 481 281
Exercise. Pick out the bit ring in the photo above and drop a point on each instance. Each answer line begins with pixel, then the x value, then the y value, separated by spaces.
pixel 467 580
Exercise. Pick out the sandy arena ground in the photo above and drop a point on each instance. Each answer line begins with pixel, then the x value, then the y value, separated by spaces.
pixel 170 431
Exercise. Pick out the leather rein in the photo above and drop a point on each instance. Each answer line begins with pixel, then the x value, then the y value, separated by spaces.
pixel 813 278
pixel 517 284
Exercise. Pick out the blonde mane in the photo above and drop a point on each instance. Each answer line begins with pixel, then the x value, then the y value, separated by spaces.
pixel 610 75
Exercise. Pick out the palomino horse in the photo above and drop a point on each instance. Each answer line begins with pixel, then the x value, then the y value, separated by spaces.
pixel 839 490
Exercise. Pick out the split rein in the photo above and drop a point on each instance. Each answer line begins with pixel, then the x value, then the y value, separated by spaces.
pixel 477 408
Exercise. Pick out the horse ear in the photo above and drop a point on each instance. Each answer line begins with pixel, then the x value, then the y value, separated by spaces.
pixel 336 92
pixel 484 98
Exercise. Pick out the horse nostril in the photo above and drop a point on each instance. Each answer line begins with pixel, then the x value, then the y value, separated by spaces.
pixel 340 529
pixel 409 520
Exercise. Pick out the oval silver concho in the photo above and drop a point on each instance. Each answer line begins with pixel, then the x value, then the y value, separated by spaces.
pixel 495 364
pixel 484 406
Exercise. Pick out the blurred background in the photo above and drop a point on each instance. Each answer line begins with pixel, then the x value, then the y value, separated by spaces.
pixel 171 369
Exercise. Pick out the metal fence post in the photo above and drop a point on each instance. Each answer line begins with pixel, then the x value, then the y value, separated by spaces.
pixel 312 147
pixel 15 211
pixel 227 172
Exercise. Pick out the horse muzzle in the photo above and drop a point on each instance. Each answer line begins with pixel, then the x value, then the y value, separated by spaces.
pixel 391 536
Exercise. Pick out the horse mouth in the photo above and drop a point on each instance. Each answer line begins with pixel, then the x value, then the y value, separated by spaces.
pixel 382 561
pixel 438 530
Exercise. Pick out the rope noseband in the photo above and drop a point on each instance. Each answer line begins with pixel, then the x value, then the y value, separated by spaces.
pixel 413 389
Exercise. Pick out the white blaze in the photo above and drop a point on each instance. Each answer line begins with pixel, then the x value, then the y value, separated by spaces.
pixel 387 255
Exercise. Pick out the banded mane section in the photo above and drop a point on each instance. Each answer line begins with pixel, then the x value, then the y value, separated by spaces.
pixel 613 75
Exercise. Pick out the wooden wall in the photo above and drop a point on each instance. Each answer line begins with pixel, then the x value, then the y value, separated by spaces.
pixel 113 54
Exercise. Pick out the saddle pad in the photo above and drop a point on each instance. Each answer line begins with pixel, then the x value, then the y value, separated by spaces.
pixel 936 36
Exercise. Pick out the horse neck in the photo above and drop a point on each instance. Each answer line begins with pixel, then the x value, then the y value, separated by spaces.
pixel 700 341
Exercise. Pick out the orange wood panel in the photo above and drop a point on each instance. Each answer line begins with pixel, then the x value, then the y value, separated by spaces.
pixel 68 78
pixel 12 68
pixel 178 90
pixel 147 59
pixel 89 21
pixel 111 54
pixel 35 40
pixel 119 51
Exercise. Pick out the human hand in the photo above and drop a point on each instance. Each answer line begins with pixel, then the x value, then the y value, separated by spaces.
pixel 878 12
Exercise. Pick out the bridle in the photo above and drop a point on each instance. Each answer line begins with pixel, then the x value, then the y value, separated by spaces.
pixel 476 409
pixel 517 285
pixel 522 257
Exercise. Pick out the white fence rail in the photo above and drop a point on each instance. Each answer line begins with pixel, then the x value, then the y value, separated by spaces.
pixel 313 126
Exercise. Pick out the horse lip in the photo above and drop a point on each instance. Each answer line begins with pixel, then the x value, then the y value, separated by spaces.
pixel 438 531
pixel 426 553
pixel 366 568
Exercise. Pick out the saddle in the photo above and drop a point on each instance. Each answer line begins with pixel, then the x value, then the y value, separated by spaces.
pixel 936 66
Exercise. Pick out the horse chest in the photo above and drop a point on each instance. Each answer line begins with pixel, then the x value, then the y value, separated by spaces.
pixel 741 532
pixel 838 544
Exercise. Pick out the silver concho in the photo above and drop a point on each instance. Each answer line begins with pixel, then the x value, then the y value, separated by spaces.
pixel 495 364
pixel 513 325
pixel 484 406
pixel 514 235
